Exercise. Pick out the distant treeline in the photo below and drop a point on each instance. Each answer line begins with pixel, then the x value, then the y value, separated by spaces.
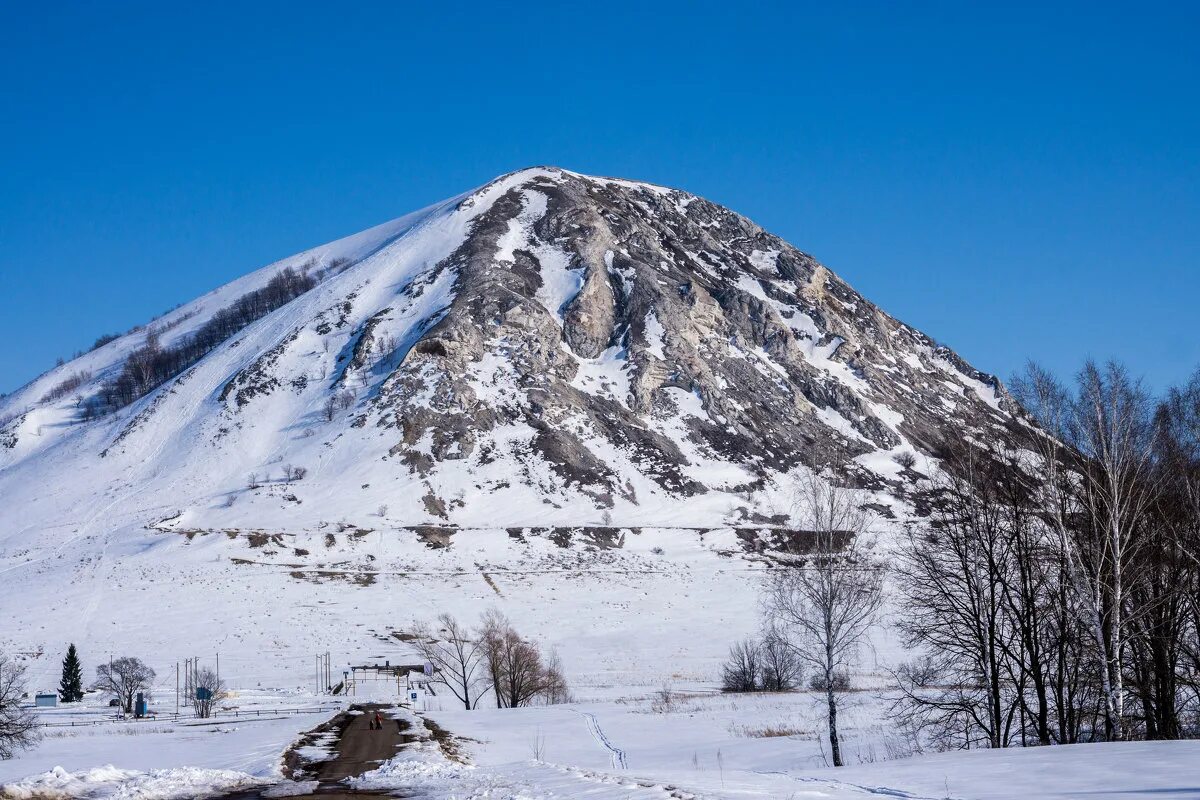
pixel 152 364
pixel 68 385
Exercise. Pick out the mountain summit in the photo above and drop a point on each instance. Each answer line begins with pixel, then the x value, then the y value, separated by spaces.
pixel 550 349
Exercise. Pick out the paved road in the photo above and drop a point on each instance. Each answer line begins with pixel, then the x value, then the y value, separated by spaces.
pixel 359 749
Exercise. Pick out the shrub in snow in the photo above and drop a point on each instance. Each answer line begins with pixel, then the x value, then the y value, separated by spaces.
pixel 329 407
pixel 769 665
pixel 205 702
pixel 103 340
pixel 841 682
pixel 294 473
pixel 780 667
pixel 666 700
pixel 741 670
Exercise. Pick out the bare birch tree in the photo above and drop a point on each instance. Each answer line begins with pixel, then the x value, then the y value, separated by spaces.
pixel 1099 484
pixel 828 599
pixel 1112 429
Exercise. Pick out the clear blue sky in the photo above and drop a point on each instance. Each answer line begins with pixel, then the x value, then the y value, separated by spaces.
pixel 1020 181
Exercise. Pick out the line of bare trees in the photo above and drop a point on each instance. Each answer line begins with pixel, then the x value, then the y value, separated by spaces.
pixel 1052 591
pixel 152 364
pixel 492 658
pixel 1055 591
pixel 68 385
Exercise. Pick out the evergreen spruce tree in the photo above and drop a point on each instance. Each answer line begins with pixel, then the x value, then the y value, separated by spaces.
pixel 70 688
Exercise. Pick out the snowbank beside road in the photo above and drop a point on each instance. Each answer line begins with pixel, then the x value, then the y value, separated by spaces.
pixel 117 784
pixel 150 758
pixel 420 767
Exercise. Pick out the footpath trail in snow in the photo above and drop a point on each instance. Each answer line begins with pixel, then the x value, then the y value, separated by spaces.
pixel 618 755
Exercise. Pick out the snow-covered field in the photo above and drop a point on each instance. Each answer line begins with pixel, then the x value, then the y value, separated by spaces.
pixel 619 739
pixel 698 746
pixel 715 747
pixel 86 751
pixel 627 622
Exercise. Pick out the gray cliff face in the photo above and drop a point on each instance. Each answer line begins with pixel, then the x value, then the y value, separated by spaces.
pixel 674 331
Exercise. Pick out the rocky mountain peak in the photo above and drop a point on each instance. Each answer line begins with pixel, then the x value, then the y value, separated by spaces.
pixel 551 347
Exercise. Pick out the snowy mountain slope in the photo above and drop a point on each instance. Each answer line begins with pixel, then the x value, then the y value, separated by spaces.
pixel 551 349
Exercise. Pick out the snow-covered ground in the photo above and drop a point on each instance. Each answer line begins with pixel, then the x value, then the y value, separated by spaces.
pixel 86 751
pixel 729 746
pixel 661 610
pixel 690 743
pixel 628 623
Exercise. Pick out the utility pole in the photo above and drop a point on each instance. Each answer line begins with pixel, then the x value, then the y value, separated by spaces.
pixel 176 688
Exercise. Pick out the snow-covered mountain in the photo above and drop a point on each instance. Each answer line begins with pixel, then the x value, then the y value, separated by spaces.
pixel 582 399
pixel 552 349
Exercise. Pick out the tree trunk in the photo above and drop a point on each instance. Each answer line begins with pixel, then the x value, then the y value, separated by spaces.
pixel 1118 674
pixel 834 747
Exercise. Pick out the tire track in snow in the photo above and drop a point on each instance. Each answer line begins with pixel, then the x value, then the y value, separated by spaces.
pixel 873 791
pixel 617 754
